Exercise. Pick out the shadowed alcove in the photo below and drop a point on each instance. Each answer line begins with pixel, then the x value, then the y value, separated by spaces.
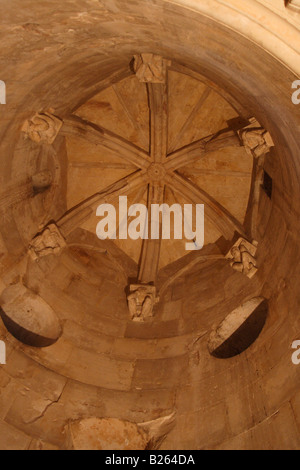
pixel 175 102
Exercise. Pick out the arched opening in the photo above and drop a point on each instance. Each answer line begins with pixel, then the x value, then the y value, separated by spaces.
pixel 28 317
pixel 239 330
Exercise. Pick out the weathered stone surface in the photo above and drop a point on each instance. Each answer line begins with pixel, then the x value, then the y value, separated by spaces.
pixel 42 128
pixel 171 132
pixel 49 242
pixel 141 301
pixel 12 439
pixel 242 257
pixel 151 68
pixel 257 141
pixel 157 430
pixel 115 434
pixel 38 444
pixel 42 181
pixel 106 434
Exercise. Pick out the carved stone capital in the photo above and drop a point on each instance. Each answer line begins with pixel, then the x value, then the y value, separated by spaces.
pixel 141 301
pixel 151 68
pixel 242 257
pixel 257 141
pixel 42 128
pixel 49 242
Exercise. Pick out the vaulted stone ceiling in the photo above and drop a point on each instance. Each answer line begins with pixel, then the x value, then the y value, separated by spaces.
pixel 195 111
pixel 69 64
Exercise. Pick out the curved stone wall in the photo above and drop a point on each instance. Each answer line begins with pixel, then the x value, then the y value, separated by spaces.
pixel 104 365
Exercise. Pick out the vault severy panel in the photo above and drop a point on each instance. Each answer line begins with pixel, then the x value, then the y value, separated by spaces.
pixel 91 169
pixel 226 176
pixel 123 109
pixel 195 110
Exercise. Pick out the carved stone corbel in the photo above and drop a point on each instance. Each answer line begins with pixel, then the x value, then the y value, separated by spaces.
pixel 42 128
pixel 242 257
pixel 141 301
pixel 151 68
pixel 256 140
pixel 49 242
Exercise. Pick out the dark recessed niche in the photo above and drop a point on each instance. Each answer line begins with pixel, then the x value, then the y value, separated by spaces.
pixel 25 336
pixel 28 317
pixel 267 185
pixel 245 335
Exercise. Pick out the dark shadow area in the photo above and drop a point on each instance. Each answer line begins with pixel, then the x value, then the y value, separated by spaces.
pixel 267 185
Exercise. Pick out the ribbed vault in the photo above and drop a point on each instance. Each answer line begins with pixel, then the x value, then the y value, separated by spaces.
pixel 177 141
